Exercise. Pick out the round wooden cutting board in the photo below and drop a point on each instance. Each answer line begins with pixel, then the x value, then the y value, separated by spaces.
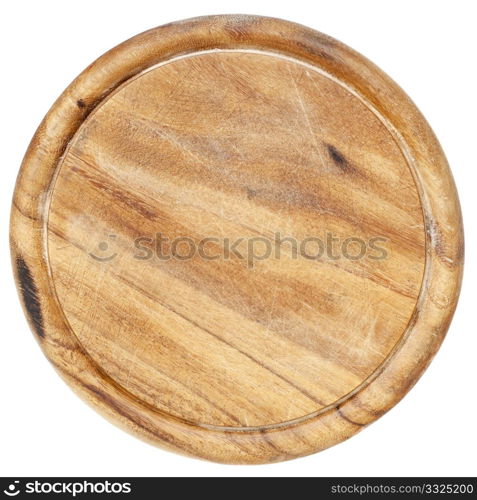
pixel 236 238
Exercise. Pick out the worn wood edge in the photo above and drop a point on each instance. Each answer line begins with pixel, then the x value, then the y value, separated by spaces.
pixel 444 244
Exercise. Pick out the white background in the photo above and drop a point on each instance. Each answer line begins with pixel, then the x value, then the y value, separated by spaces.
pixel 428 47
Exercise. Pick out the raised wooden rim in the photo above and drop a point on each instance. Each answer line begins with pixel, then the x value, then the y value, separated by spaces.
pixel 444 238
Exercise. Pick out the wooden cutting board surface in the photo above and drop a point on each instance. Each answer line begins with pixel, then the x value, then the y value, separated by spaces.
pixel 237 238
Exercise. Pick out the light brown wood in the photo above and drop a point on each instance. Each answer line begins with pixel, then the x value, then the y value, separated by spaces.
pixel 253 135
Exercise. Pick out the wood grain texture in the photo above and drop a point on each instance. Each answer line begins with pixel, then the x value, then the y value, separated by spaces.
pixel 236 128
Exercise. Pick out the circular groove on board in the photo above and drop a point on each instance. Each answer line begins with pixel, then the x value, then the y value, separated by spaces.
pixel 142 165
